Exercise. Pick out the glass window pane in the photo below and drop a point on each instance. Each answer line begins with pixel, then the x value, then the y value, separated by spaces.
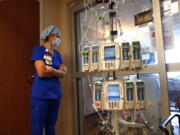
pixel 171 30
pixel 93 27
pixel 144 33
pixel 174 93
pixel 92 122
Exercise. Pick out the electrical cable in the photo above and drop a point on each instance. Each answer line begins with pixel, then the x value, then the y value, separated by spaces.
pixel 84 32
pixel 90 85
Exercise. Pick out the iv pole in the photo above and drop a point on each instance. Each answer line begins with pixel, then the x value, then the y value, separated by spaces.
pixel 115 120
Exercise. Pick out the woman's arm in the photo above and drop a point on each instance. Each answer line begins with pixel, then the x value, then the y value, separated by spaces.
pixel 60 73
pixel 41 69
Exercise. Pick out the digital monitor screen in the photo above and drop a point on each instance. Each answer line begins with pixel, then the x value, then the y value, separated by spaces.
pixel 130 94
pixel 126 49
pixel 85 59
pixel 113 92
pixel 146 56
pixel 140 90
pixel 130 91
pixel 136 52
pixel 140 94
pixel 95 50
pixel 98 89
pixel 109 53
pixel 94 57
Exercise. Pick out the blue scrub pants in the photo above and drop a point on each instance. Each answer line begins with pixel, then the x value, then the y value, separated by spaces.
pixel 44 115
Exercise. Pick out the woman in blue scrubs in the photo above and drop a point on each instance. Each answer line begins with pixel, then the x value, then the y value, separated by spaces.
pixel 46 88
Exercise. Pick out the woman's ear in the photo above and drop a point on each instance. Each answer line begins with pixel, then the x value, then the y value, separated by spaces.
pixel 50 37
pixel 47 39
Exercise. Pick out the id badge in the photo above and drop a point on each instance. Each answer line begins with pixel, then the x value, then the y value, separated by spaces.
pixel 48 59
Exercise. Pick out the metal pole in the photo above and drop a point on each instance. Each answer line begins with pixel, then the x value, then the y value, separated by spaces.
pixel 115 122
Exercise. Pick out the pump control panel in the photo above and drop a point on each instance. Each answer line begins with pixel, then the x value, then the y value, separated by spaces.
pixel 109 57
pixel 112 95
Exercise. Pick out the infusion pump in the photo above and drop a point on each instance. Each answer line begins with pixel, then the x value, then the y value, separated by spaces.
pixel 118 95
pixel 85 58
pixel 125 55
pixel 112 95
pixel 97 94
pixel 109 55
pixel 140 95
pixel 90 58
pixel 129 88
pixel 94 58
pixel 136 56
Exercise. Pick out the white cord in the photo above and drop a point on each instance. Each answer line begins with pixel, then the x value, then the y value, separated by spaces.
pixel 84 32
pixel 90 85
pixel 85 17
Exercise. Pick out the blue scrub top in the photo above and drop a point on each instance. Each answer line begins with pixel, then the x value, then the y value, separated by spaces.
pixel 46 88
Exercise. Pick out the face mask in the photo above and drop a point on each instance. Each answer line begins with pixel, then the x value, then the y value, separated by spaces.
pixel 56 42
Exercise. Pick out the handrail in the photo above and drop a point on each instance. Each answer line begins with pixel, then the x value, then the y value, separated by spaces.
pixel 166 121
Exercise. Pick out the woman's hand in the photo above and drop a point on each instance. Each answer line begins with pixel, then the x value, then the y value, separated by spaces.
pixel 63 68
pixel 49 69
pixel 57 72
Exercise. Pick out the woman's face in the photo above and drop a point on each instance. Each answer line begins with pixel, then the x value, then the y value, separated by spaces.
pixel 52 37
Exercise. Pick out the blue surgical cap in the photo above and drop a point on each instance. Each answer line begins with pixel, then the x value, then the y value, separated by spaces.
pixel 50 30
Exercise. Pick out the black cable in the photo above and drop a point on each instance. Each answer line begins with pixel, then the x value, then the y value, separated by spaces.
pixel 114 75
pixel 128 77
pixel 108 76
pixel 111 5
pixel 137 75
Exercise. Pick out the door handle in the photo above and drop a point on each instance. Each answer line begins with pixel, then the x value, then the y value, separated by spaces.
pixel 30 79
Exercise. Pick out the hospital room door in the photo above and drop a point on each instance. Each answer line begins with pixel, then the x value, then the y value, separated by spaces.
pixel 19 33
